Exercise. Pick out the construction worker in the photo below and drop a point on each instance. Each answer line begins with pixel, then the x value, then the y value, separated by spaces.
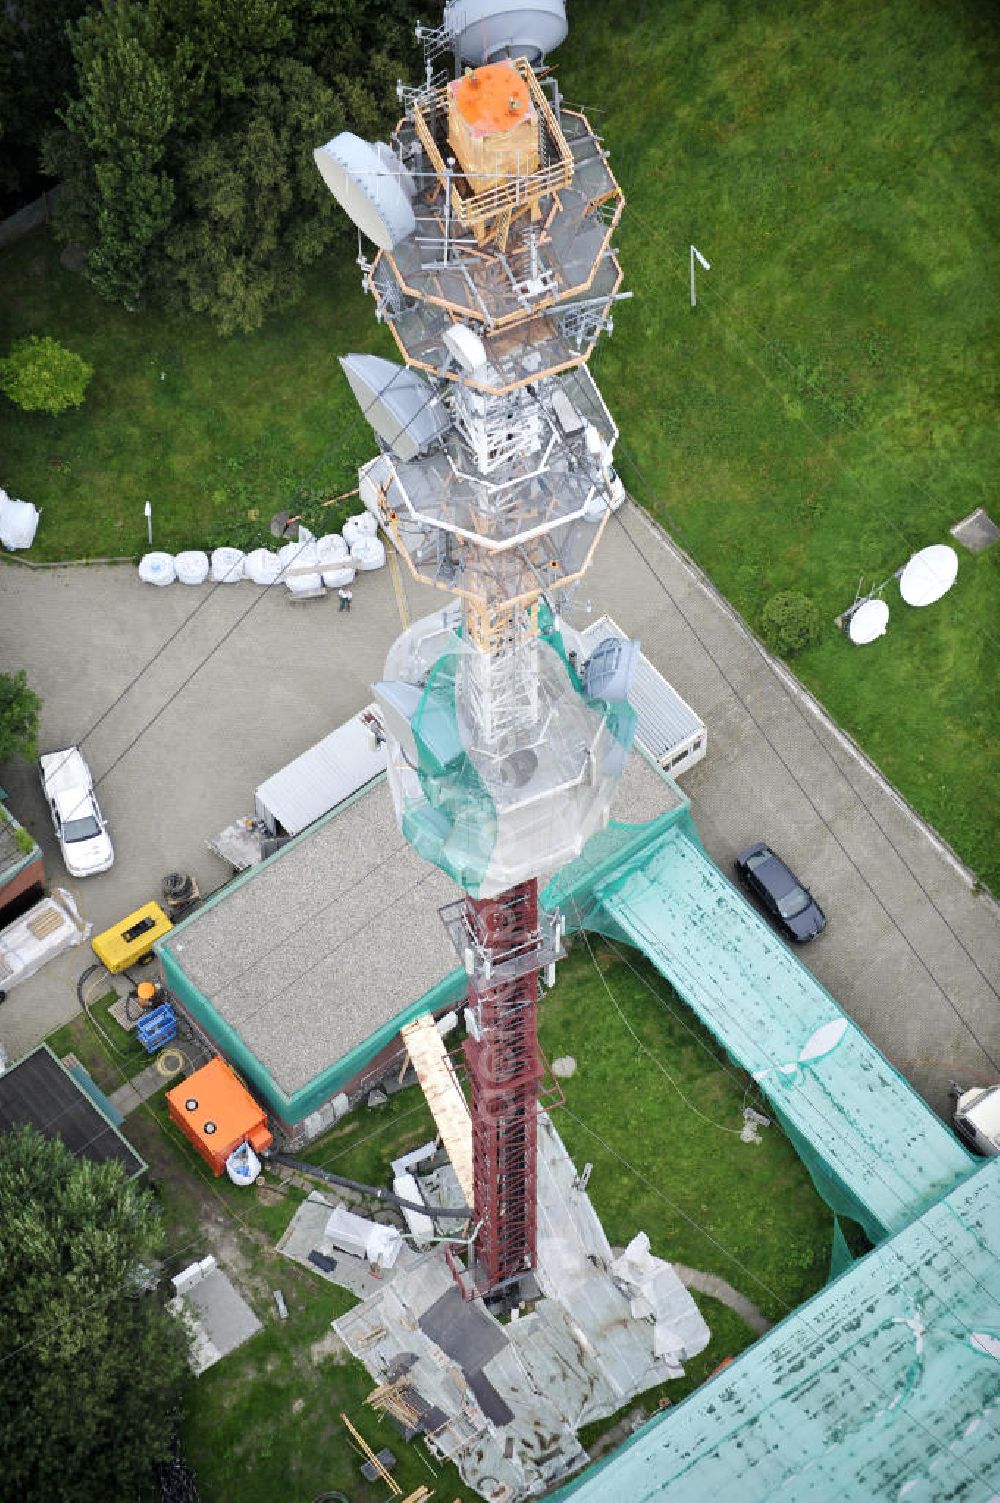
pixel 346 596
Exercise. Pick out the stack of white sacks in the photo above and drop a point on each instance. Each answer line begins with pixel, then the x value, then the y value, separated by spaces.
pixel 306 566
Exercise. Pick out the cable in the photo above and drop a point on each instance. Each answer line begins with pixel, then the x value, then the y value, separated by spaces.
pixel 646 1050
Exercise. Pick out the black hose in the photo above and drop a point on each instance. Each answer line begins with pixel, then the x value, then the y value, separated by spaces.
pixel 462 1212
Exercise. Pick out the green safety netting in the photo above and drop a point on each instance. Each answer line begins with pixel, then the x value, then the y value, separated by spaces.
pixel 884 1387
pixel 506 765
pixel 876 1153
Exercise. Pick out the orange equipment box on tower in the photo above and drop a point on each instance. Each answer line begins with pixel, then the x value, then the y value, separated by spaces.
pixel 217 1113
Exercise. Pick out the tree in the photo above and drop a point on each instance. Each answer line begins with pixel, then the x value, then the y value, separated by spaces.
pixel 186 154
pixel 259 210
pixel 118 196
pixel 36 74
pixel 790 622
pixel 20 708
pixel 89 1365
pixel 41 375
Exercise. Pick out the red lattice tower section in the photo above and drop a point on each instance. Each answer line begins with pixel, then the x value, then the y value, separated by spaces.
pixel 504 1070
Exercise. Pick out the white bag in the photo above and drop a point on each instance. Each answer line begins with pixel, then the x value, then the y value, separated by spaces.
pixel 18 522
pixel 304 584
pixel 332 549
pixel 368 553
pixel 227 565
pixel 262 566
pixel 299 557
pixel 361 525
pixel 157 568
pixel 192 567
pixel 340 577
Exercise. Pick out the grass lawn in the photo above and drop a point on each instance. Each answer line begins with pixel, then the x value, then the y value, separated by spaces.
pixel 217 433
pixel 830 406
pixel 108 1067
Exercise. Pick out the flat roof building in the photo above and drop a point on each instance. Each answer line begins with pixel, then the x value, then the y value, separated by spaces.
pixel 303 969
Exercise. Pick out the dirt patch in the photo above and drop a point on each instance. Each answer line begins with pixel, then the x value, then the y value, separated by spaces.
pixel 329 1348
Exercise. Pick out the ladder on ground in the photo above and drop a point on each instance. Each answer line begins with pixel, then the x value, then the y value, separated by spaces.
pixel 443 1094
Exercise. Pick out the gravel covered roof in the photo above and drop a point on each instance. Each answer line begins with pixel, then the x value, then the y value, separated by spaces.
pixel 307 955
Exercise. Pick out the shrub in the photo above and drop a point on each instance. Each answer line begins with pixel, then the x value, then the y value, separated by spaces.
pixel 790 621
pixel 40 375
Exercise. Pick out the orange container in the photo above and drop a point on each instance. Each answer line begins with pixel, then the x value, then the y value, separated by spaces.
pixel 217 1113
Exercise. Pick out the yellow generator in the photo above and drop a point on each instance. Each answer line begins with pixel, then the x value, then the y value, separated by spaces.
pixel 132 938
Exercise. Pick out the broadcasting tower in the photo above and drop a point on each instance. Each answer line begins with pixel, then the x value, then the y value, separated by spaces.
pixel 492 209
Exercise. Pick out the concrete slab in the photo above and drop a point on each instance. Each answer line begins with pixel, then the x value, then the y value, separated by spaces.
pixel 220 1318
pixel 234 683
pixel 912 949
pixel 976 531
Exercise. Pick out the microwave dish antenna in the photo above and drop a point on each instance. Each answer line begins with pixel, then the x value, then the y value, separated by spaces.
pixel 868 622
pixel 485 31
pixel 929 575
pixel 371 186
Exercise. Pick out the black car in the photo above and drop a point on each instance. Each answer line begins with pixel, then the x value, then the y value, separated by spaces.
pixel 791 905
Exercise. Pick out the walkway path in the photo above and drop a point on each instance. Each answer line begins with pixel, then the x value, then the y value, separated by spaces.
pixel 711 1284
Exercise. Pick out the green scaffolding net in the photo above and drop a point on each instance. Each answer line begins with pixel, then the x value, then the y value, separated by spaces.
pixel 505 766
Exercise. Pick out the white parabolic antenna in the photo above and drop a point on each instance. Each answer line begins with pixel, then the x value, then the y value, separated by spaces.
pixel 868 622
pixel 929 575
pixel 371 192
pixel 486 30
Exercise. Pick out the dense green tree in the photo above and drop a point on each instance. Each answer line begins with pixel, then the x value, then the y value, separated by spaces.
pixel 36 74
pixel 790 622
pixel 41 375
pixel 258 209
pixel 20 708
pixel 89 1365
pixel 187 152
pixel 118 196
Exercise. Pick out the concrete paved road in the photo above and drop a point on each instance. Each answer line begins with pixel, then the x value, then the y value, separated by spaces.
pixel 911 953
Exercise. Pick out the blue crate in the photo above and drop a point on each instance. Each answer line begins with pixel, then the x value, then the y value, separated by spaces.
pixel 156 1028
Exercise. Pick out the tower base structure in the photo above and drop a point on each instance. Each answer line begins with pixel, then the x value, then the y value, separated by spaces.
pixel 505 947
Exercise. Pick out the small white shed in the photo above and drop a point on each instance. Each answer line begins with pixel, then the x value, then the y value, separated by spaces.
pixel 324 776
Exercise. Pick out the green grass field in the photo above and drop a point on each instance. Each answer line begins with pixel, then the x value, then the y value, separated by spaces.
pixel 217 433
pixel 827 409
pixel 829 406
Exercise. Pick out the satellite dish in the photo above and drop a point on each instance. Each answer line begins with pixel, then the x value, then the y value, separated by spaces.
pixel 929 575
pixel 466 346
pixel 398 402
pixel 488 30
pixel 610 669
pixel 868 622
pixel 374 194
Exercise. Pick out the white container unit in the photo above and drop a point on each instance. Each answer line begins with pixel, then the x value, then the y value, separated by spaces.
pixel 668 729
